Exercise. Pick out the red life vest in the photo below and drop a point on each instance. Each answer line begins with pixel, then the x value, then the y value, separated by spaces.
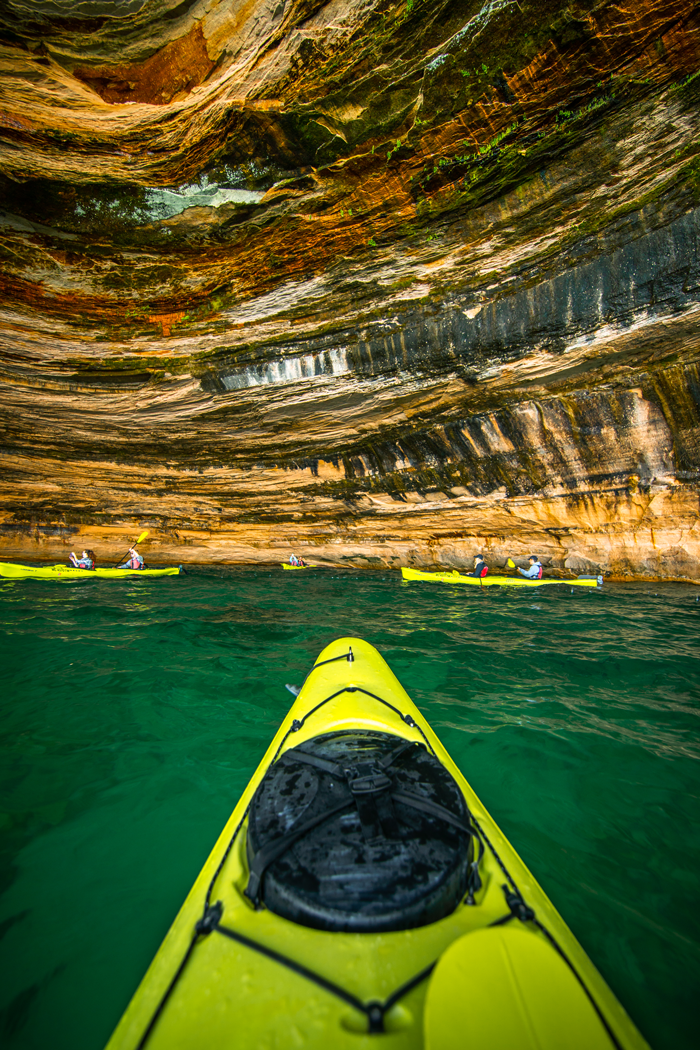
pixel 484 571
pixel 539 573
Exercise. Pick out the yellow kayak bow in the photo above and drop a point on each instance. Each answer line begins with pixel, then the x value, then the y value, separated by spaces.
pixel 292 935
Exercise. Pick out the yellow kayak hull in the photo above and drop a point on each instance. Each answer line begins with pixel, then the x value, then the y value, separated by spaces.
pixel 286 565
pixel 9 571
pixel 496 581
pixel 256 980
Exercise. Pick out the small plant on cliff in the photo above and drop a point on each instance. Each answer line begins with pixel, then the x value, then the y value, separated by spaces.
pixel 686 82
pixel 692 174
pixel 392 151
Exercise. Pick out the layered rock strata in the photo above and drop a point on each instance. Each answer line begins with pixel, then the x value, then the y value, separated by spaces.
pixel 382 283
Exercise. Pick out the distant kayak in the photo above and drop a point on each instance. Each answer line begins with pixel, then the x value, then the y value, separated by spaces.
pixel 67 572
pixel 361 897
pixel 497 581
pixel 286 565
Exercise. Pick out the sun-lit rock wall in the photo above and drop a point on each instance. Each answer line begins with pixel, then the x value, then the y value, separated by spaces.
pixel 378 282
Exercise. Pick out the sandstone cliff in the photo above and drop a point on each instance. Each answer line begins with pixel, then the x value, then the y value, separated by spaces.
pixel 381 282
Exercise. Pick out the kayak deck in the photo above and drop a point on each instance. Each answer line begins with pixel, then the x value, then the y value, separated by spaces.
pixel 10 571
pixel 286 565
pixel 235 977
pixel 496 581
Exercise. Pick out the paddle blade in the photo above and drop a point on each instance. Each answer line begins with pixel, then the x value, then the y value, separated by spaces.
pixel 510 563
pixel 142 537
pixel 524 995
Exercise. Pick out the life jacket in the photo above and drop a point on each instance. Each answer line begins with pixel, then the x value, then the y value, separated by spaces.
pixel 540 570
pixel 134 563
pixel 484 571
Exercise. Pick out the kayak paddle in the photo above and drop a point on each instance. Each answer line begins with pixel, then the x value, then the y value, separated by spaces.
pixel 141 538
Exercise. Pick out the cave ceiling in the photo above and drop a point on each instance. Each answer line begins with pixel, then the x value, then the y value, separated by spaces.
pixel 378 281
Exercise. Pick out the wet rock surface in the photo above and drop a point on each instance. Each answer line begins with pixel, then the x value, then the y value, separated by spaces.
pixel 383 283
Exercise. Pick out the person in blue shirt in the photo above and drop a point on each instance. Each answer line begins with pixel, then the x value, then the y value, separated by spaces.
pixel 535 570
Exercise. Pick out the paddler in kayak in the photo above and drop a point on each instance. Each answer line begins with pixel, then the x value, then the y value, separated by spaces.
pixel 299 562
pixel 535 570
pixel 133 560
pixel 85 561
pixel 480 567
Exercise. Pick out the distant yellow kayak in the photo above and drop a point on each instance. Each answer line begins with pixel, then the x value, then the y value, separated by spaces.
pixel 286 565
pixel 10 571
pixel 360 889
pixel 497 581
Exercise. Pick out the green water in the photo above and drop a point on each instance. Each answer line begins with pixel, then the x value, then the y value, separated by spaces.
pixel 135 711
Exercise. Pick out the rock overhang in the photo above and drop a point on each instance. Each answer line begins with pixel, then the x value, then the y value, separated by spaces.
pixel 450 249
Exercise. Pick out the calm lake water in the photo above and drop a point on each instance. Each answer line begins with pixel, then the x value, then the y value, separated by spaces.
pixel 135 711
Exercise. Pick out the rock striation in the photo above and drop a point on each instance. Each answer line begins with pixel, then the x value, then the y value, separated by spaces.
pixel 380 281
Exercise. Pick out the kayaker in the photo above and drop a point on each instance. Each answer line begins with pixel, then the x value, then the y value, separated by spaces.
pixel 293 560
pixel 535 570
pixel 133 561
pixel 480 566
pixel 85 561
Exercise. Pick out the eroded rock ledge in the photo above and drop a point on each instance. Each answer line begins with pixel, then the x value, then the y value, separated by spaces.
pixel 382 283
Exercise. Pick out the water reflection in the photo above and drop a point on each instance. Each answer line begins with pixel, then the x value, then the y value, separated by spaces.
pixel 132 717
